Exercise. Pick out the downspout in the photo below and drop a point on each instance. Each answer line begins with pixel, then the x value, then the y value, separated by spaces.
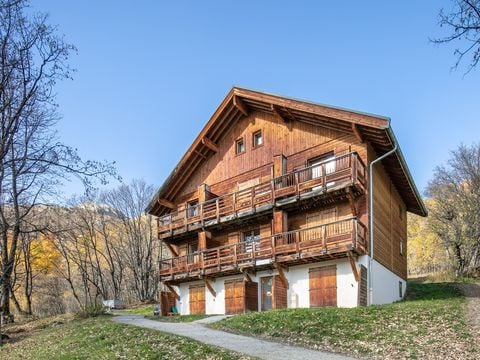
pixel 370 207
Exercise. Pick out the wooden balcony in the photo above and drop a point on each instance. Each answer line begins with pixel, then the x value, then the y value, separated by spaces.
pixel 314 182
pixel 332 240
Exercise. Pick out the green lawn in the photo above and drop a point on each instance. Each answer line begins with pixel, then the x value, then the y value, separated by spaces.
pixel 100 338
pixel 431 323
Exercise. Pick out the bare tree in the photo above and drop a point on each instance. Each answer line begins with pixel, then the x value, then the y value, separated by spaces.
pixel 464 23
pixel 32 160
pixel 455 214
pixel 137 235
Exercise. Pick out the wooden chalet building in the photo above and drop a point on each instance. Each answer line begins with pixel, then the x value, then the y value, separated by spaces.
pixel 269 208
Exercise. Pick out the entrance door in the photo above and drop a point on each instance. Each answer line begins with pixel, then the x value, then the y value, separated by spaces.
pixel 197 299
pixel 234 297
pixel 323 286
pixel 267 298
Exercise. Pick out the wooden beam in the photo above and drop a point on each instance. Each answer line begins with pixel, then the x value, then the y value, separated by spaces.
pixel 167 204
pixel 351 201
pixel 240 105
pixel 210 287
pixel 246 277
pixel 170 287
pixel 277 112
pixel 209 144
pixel 292 117
pixel 357 133
pixel 172 248
pixel 354 266
pixel 200 154
pixel 281 273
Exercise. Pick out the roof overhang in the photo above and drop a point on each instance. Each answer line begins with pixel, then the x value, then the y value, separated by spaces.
pixel 240 101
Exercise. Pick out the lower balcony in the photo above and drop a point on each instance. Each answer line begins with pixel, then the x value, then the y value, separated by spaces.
pixel 332 240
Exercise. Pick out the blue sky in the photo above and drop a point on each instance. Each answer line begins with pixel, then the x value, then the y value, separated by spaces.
pixel 150 75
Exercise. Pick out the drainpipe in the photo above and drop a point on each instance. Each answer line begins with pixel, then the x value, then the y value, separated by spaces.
pixel 370 207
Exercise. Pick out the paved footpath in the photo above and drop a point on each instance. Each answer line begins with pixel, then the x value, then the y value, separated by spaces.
pixel 242 344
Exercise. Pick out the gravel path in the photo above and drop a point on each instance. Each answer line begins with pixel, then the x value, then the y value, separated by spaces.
pixel 242 344
pixel 472 294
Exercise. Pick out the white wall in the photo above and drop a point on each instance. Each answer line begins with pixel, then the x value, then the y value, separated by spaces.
pixel 297 294
pixel 385 283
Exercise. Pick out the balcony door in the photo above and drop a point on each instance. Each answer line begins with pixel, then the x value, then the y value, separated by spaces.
pixel 193 256
pixel 250 239
pixel 328 161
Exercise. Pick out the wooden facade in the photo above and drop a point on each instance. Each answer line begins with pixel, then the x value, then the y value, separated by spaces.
pixel 272 182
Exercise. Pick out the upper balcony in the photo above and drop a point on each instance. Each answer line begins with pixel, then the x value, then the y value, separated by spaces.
pixel 322 181
pixel 327 241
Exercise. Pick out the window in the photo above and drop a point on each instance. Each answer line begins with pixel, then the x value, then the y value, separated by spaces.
pixel 192 209
pixel 401 247
pixel 257 139
pixel 250 238
pixel 239 146
pixel 400 289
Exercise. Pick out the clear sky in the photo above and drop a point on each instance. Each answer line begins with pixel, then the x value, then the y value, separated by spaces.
pixel 151 73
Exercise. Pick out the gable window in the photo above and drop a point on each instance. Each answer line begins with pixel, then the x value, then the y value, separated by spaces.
pixel 239 146
pixel 192 208
pixel 401 247
pixel 250 239
pixel 257 138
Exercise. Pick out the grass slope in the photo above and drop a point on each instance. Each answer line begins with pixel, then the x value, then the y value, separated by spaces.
pixel 100 338
pixel 147 311
pixel 431 323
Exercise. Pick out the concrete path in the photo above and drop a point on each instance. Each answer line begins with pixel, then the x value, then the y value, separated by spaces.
pixel 242 344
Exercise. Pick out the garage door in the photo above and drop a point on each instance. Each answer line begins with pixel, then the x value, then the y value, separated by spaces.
pixel 323 286
pixel 234 296
pixel 197 299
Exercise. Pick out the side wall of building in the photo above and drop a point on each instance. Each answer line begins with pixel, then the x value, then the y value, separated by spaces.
pixel 390 222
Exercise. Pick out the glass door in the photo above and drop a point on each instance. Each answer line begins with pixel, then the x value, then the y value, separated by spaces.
pixel 267 293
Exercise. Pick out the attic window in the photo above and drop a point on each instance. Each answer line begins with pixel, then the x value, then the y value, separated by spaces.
pixel 239 146
pixel 257 139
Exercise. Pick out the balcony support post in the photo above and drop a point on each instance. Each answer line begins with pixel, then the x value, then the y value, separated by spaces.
pixel 173 291
pixel 354 266
pixel 281 273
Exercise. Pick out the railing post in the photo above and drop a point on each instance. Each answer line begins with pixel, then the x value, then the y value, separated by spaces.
pixel 355 233
pixel 354 168
pixel 297 191
pixel 171 268
pixel 235 254
pixel 217 209
pixel 324 236
pixel 234 201
pixel 218 259
pixel 273 247
pixel 297 243
pixel 324 175
pixel 272 185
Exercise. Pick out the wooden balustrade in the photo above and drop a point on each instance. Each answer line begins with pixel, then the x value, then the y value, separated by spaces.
pixel 314 180
pixel 334 238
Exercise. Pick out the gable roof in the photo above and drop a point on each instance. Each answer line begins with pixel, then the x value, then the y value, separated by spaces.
pixel 239 101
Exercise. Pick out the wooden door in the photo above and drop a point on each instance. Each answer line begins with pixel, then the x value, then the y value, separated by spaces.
pixel 234 296
pixel 197 299
pixel 323 286
pixel 267 293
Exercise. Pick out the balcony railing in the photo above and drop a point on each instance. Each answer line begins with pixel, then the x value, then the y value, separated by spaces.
pixel 310 181
pixel 312 243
